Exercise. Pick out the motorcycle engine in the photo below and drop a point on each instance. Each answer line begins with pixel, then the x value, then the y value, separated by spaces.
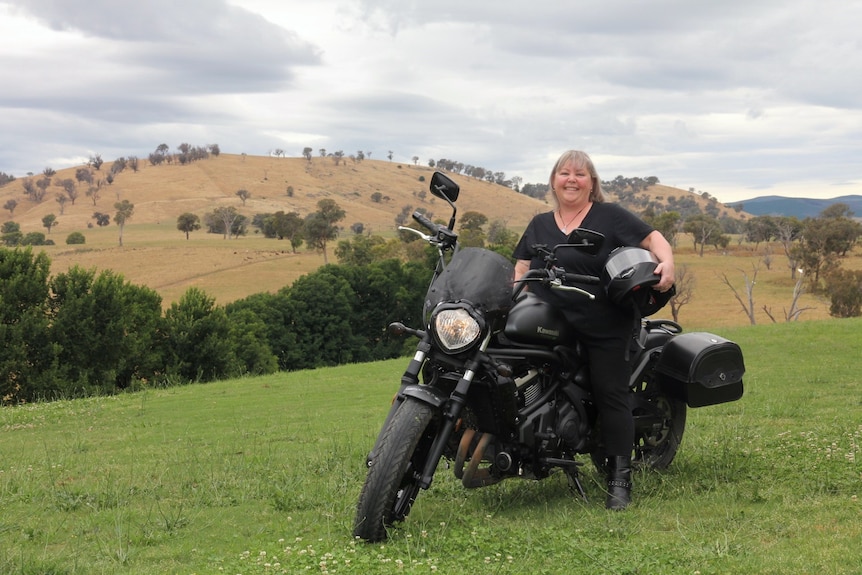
pixel 570 426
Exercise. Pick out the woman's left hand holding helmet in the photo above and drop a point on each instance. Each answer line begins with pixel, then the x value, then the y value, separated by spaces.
pixel 656 243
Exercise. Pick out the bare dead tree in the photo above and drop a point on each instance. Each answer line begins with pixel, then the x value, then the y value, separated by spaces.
pixel 795 311
pixel 684 290
pixel 749 292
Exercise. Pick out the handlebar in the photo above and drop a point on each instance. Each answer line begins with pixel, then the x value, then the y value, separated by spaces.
pixel 554 278
pixel 426 223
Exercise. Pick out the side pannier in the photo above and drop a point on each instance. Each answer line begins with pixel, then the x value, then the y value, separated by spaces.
pixel 701 368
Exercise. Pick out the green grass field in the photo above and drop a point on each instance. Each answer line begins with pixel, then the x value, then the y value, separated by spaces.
pixel 261 475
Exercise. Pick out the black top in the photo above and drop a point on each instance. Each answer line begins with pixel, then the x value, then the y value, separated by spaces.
pixel 620 228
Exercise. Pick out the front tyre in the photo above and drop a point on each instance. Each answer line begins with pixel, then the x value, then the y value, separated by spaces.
pixel 392 483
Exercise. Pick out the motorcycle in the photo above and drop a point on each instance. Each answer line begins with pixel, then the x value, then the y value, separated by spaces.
pixel 505 390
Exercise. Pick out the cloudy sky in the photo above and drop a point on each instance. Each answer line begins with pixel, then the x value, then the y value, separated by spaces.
pixel 739 98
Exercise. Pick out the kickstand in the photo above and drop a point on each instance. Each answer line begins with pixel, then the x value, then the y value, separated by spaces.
pixel 575 485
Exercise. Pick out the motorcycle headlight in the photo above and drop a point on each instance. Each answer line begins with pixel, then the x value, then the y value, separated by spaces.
pixel 455 329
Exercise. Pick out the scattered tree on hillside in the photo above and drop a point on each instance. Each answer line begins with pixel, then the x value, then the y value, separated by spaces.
pixel 102 220
pixel 50 221
pixel 188 222
pixel 10 234
pixel 6 178
pixel 61 199
pixel 96 161
pixel 320 226
pixel 69 187
pixel 10 205
pixel 306 152
pixel 705 230
pixel 41 188
pixel 125 209
pixel 243 195
pixel 229 220
pixel 94 192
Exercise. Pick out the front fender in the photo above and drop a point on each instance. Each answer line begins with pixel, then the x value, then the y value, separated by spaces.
pixel 426 394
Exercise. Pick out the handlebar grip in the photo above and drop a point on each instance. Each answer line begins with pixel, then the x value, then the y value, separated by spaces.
pixel 425 222
pixel 582 279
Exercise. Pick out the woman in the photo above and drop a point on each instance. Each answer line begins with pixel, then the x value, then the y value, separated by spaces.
pixel 603 327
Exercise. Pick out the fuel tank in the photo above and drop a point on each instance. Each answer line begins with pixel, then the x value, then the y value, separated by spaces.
pixel 536 322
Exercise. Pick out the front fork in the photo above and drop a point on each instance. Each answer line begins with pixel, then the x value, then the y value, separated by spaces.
pixel 450 406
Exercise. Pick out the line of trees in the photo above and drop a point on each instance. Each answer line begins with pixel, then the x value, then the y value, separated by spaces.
pixel 84 333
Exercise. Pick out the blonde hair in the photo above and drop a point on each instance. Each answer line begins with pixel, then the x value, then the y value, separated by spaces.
pixel 578 159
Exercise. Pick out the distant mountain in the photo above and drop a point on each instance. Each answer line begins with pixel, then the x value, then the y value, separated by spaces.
pixel 799 207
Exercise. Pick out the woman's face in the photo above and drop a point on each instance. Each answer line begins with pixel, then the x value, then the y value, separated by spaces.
pixel 572 183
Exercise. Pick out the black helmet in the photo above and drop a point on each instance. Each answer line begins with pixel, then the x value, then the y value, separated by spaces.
pixel 628 277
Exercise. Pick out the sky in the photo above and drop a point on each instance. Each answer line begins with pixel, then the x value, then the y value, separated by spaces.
pixel 738 98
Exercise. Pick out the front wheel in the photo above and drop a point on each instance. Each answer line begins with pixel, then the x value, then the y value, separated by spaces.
pixel 392 483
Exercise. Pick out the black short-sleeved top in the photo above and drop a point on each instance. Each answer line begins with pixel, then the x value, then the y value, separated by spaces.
pixel 620 227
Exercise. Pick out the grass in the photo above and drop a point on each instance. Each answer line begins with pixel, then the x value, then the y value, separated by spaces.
pixel 261 475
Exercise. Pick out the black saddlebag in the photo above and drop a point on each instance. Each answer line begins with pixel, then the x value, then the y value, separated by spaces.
pixel 701 369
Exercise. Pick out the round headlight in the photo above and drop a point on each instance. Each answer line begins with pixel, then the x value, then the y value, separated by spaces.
pixel 455 329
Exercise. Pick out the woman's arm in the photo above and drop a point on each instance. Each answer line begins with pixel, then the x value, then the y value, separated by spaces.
pixel 521 267
pixel 656 243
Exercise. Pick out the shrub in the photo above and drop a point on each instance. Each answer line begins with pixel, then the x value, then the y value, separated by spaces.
pixel 75 238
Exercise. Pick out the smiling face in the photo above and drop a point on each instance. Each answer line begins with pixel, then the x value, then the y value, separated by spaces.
pixel 575 175
pixel 572 184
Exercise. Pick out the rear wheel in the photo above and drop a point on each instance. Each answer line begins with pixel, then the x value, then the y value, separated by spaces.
pixel 659 426
pixel 392 483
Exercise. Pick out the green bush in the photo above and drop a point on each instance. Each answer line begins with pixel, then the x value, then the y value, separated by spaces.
pixel 75 238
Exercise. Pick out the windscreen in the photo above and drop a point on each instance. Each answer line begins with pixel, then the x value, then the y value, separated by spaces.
pixel 482 277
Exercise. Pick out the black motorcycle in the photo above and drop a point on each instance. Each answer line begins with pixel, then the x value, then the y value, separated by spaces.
pixel 505 390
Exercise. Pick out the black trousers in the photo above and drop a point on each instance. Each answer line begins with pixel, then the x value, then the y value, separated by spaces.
pixel 610 372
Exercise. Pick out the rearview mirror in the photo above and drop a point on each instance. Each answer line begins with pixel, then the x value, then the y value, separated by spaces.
pixel 587 241
pixel 444 188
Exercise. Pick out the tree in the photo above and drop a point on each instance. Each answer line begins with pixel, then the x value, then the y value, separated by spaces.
pixel 69 187
pixel 10 205
pixel 748 307
pixel 198 339
pixel 227 216
pixel 684 284
pixel 472 234
pixel 306 152
pixel 105 329
pixel 243 195
pixel 358 251
pixel 704 230
pixel 824 240
pixel 125 209
pixel 10 234
pixel 26 356
pixel 102 220
pixel 320 226
pixel 49 222
pixel 844 288
pixel 668 224
pixel 187 223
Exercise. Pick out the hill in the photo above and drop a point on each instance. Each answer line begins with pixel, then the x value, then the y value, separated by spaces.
pixel 156 254
pixel 796 207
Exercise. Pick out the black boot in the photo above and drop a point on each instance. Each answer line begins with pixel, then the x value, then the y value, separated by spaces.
pixel 619 482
